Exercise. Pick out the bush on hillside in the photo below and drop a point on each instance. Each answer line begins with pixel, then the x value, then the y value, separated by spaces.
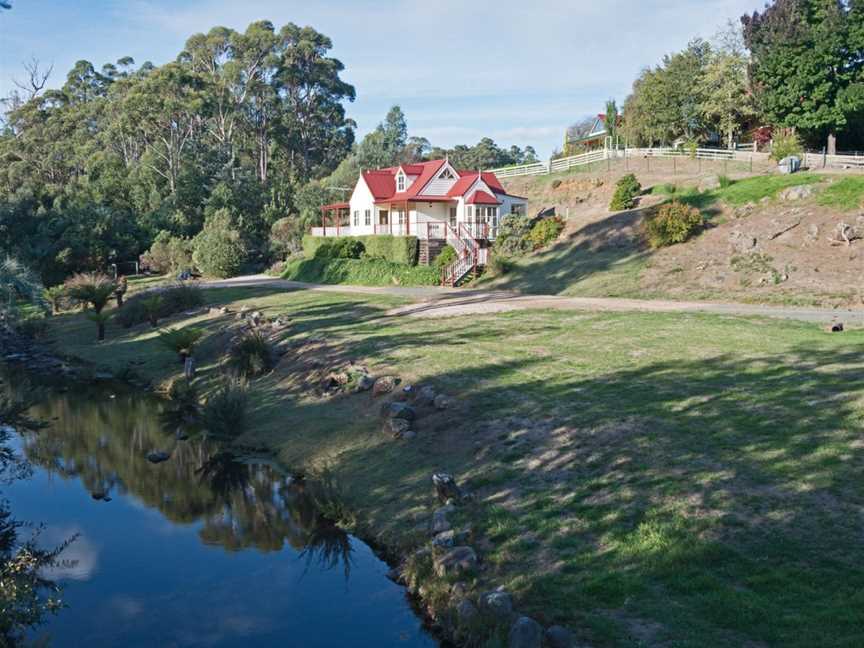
pixel 512 237
pixel 175 298
pixel 219 250
pixel 545 231
pixel 674 222
pixel 445 257
pixel 396 249
pixel 341 248
pixel 168 254
pixel 252 355
pixel 285 237
pixel 626 190
pixel 224 413
pixel 786 144
pixel 500 265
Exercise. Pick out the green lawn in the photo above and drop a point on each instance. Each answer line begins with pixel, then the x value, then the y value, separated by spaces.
pixel 645 479
pixel 846 194
pixel 738 192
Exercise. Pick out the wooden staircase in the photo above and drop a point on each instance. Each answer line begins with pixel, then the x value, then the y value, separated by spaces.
pixel 467 256
pixel 429 249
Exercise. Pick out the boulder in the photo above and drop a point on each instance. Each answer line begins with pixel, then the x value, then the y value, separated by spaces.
pixel 740 242
pixel 408 435
pixel 364 382
pixel 558 637
pixel 157 456
pixel 440 523
pixel 441 402
pixel 834 327
pixel 709 183
pixel 398 410
pixel 425 396
pixel 525 633
pixel 446 487
pixel 467 613
pixel 457 561
pixel 796 193
pixel 497 605
pixel 397 427
pixel 445 539
pixel 384 385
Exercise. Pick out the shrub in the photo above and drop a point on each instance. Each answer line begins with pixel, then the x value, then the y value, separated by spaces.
pixel 545 231
pixel 361 272
pixel 445 257
pixel 674 222
pixel 57 297
pixel 224 413
pixel 341 248
pixel 90 288
pixel 184 397
pixel 626 190
pixel 500 265
pixel 512 237
pixel 168 254
pixel 176 298
pixel 219 250
pixel 252 355
pixel 285 236
pixel 396 249
pixel 785 144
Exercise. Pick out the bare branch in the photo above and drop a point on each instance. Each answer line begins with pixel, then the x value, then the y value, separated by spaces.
pixel 36 78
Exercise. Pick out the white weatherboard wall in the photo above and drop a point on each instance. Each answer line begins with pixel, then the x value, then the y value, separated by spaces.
pixel 361 200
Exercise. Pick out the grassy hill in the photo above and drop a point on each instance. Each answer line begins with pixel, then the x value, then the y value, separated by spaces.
pixel 757 246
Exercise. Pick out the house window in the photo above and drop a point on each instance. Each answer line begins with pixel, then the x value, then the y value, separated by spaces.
pixel 517 209
pixel 470 212
pixel 446 174
pixel 400 216
pixel 356 218
pixel 383 217
pixel 400 182
pixel 367 217
pixel 452 217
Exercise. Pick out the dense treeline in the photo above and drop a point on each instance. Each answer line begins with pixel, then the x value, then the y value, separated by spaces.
pixel 222 156
pixel 796 66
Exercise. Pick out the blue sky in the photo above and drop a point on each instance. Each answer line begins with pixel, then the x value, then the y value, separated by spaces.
pixel 518 72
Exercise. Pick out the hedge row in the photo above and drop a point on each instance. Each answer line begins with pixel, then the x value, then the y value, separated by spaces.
pixel 361 272
pixel 396 249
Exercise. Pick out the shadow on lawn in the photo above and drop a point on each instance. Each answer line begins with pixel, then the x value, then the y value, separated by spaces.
pixel 717 498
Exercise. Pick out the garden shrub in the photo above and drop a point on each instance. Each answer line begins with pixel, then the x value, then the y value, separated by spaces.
pixel 285 236
pixel 545 231
pixel 626 190
pixel 176 298
pixel 500 265
pixel 168 254
pixel 252 355
pixel 219 250
pixel 341 248
pixel 396 249
pixel 674 222
pixel 512 237
pixel 785 145
pixel 361 272
pixel 445 257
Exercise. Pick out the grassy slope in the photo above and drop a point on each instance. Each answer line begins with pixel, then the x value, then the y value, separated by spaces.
pixel 696 484
pixel 579 268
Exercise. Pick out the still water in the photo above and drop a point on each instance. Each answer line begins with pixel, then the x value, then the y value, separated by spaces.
pixel 201 550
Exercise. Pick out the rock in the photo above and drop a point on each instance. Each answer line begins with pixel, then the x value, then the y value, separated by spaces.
pixel 445 539
pixel 396 427
pixel 103 375
pixel 441 402
pixel 459 589
pixel 467 613
pixel 796 193
pixel 498 605
pixel 740 242
pixel 710 183
pixel 834 327
pixel 425 396
pixel 408 435
pixel 446 487
pixel 558 637
pixel 243 312
pixel 398 410
pixel 457 561
pixel 813 232
pixel 364 382
pixel 157 456
pixel 384 385
pixel 440 523
pixel 525 633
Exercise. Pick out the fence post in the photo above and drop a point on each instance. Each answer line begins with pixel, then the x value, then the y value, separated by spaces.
pixel 725 167
pixel 751 164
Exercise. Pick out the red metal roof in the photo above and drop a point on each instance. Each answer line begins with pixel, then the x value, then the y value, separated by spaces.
pixel 488 177
pixel 427 171
pixel 480 197
pixel 381 183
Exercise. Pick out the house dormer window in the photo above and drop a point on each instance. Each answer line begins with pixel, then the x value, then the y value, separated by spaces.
pixel 446 174
pixel 400 182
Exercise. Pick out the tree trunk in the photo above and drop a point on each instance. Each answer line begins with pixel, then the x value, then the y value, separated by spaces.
pixel 832 144
pixel 119 297
pixel 100 331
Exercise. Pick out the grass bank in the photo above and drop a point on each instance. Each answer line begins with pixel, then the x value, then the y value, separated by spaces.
pixel 644 479
pixel 360 272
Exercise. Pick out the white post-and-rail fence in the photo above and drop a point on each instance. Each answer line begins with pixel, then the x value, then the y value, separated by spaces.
pixel 743 153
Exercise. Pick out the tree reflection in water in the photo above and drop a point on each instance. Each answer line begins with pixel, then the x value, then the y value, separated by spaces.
pixel 103 441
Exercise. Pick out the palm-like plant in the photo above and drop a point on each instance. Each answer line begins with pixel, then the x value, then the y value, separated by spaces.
pixel 93 289
pixel 182 341
pixel 18 282
pixel 152 306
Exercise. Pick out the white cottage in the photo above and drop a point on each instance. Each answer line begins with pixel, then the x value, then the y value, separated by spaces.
pixel 430 200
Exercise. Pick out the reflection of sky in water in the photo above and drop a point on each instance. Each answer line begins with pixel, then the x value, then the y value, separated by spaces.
pixel 76 562
pixel 140 579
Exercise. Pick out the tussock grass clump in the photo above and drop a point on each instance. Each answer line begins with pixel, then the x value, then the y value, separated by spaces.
pixel 252 355
pixel 224 414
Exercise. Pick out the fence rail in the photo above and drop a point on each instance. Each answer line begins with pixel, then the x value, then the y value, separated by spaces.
pixel 834 161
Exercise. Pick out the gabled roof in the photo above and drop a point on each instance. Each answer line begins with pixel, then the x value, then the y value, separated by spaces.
pixel 480 197
pixel 425 171
pixel 488 177
pixel 382 183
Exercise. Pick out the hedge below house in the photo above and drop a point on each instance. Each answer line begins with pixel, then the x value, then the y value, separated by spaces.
pixel 395 249
pixel 360 272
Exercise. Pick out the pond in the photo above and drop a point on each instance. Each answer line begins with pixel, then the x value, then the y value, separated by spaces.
pixel 204 549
